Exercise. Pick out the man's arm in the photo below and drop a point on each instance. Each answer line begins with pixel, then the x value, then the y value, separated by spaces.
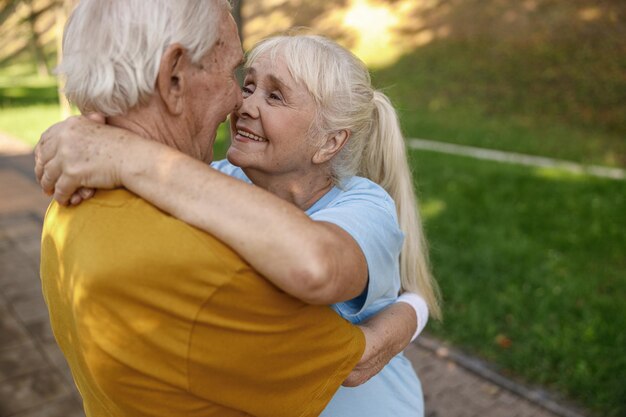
pixel 314 261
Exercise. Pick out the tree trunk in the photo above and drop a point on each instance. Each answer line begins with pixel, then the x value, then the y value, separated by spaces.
pixel 239 21
pixel 7 7
pixel 237 16
pixel 62 14
pixel 38 53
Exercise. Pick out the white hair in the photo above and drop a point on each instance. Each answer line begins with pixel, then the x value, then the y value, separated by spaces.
pixel 341 86
pixel 112 49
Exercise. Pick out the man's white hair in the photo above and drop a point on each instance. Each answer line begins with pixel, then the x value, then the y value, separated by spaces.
pixel 112 49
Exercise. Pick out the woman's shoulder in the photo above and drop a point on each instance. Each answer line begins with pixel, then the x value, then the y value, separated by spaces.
pixel 358 202
pixel 362 183
pixel 360 190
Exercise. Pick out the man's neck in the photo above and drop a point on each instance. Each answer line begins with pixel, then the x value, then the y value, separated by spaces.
pixel 140 128
pixel 149 123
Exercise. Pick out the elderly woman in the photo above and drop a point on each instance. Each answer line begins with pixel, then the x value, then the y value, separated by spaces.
pixel 313 132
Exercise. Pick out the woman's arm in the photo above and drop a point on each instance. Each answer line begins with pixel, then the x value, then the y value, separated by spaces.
pixel 317 262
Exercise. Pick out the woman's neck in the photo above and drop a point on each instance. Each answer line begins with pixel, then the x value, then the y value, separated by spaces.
pixel 300 190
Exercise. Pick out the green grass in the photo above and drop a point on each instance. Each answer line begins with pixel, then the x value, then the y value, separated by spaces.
pixel 534 257
pixel 222 141
pixel 537 257
pixel 28 104
pixel 539 99
pixel 28 123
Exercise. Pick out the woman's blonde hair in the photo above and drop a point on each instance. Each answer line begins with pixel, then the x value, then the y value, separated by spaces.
pixel 341 86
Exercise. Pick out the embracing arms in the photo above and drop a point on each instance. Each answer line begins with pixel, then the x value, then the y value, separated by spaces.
pixel 317 262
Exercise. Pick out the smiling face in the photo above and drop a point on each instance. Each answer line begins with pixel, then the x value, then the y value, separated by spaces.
pixel 271 130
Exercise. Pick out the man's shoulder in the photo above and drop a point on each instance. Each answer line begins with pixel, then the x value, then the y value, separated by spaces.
pixel 122 224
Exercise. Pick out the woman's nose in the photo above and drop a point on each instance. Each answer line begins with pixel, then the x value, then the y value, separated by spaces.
pixel 249 107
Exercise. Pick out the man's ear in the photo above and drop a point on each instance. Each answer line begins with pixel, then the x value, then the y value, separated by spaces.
pixel 331 146
pixel 173 73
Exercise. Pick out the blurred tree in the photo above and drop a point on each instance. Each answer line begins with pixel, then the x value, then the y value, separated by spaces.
pixel 237 15
pixel 24 28
pixel 238 19
pixel 63 11
pixel 34 41
pixel 7 7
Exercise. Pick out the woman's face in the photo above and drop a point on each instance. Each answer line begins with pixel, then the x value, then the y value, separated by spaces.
pixel 270 132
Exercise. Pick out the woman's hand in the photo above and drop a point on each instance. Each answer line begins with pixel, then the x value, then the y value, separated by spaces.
pixel 77 155
pixel 386 334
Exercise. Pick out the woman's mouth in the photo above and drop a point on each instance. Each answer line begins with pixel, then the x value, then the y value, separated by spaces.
pixel 251 136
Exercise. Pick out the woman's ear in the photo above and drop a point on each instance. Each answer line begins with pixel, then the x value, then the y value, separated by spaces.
pixel 173 71
pixel 331 146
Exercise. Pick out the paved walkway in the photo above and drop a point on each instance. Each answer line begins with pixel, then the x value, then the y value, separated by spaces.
pixel 35 382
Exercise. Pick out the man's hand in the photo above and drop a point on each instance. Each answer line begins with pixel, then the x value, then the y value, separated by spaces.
pixel 70 160
pixel 386 334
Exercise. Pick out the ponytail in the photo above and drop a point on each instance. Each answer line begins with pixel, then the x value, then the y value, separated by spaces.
pixel 384 161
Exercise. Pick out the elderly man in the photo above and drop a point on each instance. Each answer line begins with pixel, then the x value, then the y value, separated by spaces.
pixel 154 317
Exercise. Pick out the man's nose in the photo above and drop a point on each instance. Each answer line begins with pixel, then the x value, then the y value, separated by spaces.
pixel 239 100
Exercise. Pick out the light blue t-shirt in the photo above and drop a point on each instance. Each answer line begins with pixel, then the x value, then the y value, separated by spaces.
pixel 365 210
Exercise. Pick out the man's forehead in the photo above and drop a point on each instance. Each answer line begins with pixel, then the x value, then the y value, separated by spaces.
pixel 233 44
pixel 230 47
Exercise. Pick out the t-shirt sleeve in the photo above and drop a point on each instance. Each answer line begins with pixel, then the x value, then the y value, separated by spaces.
pixel 256 349
pixel 369 215
pixel 229 169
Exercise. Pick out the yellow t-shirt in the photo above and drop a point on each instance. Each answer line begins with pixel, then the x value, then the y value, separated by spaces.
pixel 157 318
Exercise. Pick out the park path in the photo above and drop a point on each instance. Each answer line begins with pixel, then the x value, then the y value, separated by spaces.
pixel 35 381
pixel 516 158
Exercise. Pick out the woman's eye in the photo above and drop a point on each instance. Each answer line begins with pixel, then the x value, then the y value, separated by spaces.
pixel 246 90
pixel 275 96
